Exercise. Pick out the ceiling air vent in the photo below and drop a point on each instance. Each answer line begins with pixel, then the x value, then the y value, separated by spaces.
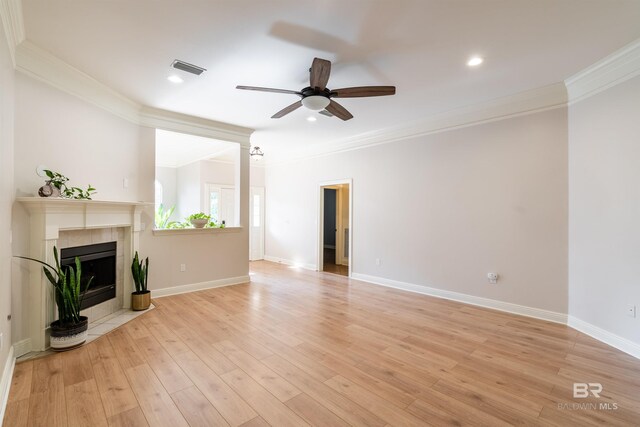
pixel 189 68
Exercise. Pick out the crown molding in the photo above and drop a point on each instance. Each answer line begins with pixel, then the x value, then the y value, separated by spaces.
pixel 177 122
pixel 11 15
pixel 41 65
pixel 616 68
pixel 523 103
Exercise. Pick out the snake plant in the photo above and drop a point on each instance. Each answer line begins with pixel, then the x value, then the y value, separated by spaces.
pixel 67 286
pixel 140 272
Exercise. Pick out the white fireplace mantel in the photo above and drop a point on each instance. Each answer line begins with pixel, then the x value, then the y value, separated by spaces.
pixel 49 216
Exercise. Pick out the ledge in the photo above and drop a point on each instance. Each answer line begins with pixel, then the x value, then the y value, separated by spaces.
pixel 192 231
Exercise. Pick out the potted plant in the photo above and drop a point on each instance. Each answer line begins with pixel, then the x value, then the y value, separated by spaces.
pixel 141 298
pixel 70 330
pixel 199 220
pixel 56 186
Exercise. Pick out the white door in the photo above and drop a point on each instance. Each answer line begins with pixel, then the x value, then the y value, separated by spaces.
pixel 256 220
pixel 227 206
pixel 221 204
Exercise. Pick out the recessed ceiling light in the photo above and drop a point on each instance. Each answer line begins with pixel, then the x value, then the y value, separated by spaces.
pixel 175 79
pixel 311 119
pixel 474 61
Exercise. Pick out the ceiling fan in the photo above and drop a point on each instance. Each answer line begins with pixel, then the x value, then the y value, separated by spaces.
pixel 318 97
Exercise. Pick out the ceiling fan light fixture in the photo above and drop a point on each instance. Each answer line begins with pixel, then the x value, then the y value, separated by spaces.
pixel 311 119
pixel 315 102
pixel 256 153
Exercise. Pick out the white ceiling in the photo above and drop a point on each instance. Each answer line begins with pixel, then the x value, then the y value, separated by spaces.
pixel 420 46
pixel 174 150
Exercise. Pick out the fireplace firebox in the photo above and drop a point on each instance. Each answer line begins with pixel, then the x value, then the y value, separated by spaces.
pixel 99 261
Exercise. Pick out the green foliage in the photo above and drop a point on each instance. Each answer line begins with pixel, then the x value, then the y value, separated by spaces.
pixel 162 220
pixel 162 216
pixel 199 215
pixel 59 181
pixel 177 225
pixel 140 272
pixel 67 288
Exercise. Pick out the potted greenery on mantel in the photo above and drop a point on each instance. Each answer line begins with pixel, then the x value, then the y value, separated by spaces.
pixel 70 330
pixel 141 298
pixel 56 186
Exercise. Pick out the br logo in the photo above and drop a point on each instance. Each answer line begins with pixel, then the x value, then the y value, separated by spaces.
pixel 582 390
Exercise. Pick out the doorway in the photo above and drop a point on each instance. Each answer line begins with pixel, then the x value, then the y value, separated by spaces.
pixel 334 249
pixel 256 224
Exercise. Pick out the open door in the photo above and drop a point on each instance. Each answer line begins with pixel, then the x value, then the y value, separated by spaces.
pixel 335 228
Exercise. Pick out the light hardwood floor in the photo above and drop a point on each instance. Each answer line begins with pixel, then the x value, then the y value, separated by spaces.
pixel 296 348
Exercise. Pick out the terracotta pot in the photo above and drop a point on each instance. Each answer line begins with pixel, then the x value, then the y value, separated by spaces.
pixel 68 336
pixel 140 300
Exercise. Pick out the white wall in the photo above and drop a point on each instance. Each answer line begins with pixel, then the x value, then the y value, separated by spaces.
pixel 85 143
pixel 444 210
pixel 257 175
pixel 604 214
pixel 6 193
pixel 168 179
pixel 188 190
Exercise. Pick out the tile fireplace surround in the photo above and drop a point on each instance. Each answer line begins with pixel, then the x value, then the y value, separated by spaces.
pixel 67 223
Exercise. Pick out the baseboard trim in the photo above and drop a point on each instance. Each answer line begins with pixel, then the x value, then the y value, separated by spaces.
pixel 5 382
pixel 538 313
pixel 22 347
pixel 175 290
pixel 311 267
pixel 606 337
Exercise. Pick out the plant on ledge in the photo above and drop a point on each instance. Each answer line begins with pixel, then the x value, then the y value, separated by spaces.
pixel 199 220
pixel 58 184
pixel 70 330
pixel 196 220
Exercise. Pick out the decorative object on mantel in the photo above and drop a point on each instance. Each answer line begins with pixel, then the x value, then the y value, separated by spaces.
pixel 56 186
pixel 70 330
pixel 141 298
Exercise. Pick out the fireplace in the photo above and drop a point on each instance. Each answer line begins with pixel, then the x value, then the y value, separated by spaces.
pixel 99 261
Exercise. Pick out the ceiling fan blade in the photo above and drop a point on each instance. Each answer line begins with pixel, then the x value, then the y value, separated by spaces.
pixel 338 111
pixel 268 89
pixel 325 113
pixel 363 91
pixel 320 70
pixel 287 110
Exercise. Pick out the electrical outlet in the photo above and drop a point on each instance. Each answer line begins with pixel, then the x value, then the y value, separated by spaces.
pixel 1 341
pixel 378 262
pixel 493 278
pixel 183 267
pixel 631 311
pixel 125 183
